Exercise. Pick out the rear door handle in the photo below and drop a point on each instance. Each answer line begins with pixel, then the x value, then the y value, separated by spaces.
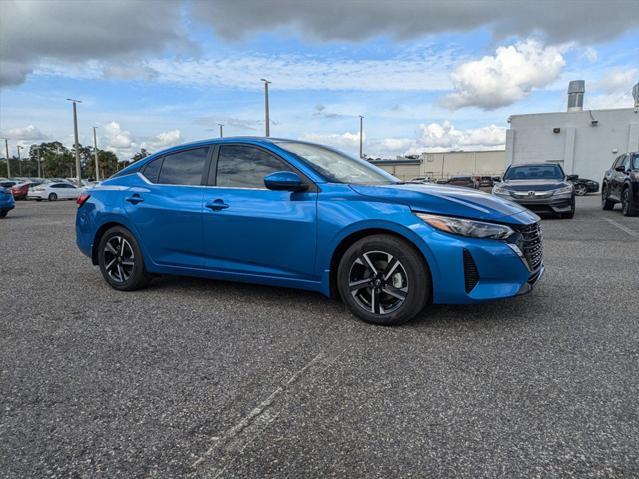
pixel 217 205
pixel 135 199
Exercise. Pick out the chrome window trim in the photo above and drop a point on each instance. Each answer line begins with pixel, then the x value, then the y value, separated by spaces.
pixel 146 180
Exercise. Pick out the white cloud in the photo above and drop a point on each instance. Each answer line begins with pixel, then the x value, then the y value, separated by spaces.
pixel 617 80
pixel 590 54
pixel 117 138
pixel 26 133
pixel 164 140
pixel 346 141
pixel 125 144
pixel 508 76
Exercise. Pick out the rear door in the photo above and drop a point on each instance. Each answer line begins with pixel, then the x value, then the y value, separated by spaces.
pixel 250 229
pixel 617 177
pixel 167 208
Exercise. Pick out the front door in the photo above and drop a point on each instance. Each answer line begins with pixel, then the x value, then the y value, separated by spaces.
pixel 252 230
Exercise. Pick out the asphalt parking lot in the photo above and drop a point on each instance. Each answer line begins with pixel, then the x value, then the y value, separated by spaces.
pixel 200 378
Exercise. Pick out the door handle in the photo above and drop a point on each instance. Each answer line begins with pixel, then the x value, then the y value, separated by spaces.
pixel 217 205
pixel 134 199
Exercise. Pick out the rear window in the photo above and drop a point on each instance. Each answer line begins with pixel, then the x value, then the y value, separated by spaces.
pixel 184 168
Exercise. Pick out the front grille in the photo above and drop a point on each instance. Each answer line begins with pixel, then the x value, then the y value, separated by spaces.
pixel 531 244
pixel 471 275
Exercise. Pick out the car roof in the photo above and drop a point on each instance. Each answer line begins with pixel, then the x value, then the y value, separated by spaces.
pixel 541 163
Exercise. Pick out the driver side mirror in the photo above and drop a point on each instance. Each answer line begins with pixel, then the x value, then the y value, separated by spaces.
pixel 572 177
pixel 285 181
pixel 620 168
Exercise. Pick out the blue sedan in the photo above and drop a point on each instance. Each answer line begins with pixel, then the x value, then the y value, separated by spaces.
pixel 296 214
pixel 7 203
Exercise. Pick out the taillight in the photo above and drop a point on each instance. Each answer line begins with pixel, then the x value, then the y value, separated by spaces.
pixel 82 199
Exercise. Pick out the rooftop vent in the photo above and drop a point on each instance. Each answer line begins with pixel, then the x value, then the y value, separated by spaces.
pixel 576 90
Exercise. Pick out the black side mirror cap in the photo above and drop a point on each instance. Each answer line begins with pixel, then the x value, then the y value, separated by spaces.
pixel 572 177
pixel 285 181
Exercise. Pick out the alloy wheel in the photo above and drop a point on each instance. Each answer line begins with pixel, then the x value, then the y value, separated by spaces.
pixel 580 190
pixel 378 282
pixel 119 259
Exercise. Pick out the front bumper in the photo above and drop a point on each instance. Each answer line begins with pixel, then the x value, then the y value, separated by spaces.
pixel 543 204
pixel 470 270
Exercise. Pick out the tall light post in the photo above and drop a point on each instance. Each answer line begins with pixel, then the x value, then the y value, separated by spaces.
pixel 6 149
pixel 19 159
pixel 38 159
pixel 361 136
pixel 221 125
pixel 266 119
pixel 78 172
pixel 95 152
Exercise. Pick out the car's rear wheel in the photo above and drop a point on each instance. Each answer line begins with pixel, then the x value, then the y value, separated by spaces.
pixel 121 261
pixel 606 204
pixel 53 197
pixel 581 190
pixel 384 280
pixel 628 208
pixel 3 213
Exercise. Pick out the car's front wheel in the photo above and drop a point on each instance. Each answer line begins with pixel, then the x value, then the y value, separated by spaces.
pixel 121 261
pixel 53 197
pixel 3 213
pixel 606 204
pixel 581 190
pixel 628 208
pixel 384 280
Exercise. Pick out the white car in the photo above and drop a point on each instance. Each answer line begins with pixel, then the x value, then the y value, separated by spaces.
pixel 54 191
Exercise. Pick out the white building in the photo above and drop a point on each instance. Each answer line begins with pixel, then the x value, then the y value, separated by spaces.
pixel 583 142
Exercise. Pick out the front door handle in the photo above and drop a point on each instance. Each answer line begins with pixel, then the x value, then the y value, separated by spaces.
pixel 217 205
pixel 135 199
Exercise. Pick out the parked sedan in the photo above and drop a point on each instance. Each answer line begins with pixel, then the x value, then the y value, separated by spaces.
pixel 541 187
pixel 467 181
pixel 21 190
pixel 6 201
pixel 54 191
pixel 296 214
pixel 421 179
pixel 583 186
pixel 621 185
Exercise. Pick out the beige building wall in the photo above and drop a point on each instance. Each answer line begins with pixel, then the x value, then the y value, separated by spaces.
pixel 447 164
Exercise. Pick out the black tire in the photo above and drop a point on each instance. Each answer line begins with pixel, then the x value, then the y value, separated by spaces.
pixel 408 282
pixel 606 204
pixel 3 213
pixel 628 208
pixel 52 197
pixel 581 190
pixel 571 213
pixel 122 266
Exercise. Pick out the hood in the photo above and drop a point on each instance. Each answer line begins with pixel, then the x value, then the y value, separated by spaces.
pixel 451 201
pixel 536 185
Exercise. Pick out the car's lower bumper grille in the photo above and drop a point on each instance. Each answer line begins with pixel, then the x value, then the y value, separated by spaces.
pixel 531 245
pixel 471 275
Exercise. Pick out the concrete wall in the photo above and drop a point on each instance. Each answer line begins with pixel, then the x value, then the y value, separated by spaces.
pixel 447 164
pixel 580 147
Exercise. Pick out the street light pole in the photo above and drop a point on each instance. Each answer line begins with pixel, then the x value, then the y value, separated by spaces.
pixel 95 152
pixel 78 171
pixel 39 167
pixel 6 148
pixel 19 160
pixel 221 125
pixel 266 120
pixel 361 136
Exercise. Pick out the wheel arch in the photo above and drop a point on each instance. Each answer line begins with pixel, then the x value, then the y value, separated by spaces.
pixel 98 236
pixel 355 236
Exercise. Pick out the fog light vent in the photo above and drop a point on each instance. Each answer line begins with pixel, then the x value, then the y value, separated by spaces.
pixel 471 275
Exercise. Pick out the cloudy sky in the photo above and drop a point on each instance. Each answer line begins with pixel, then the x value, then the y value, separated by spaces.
pixel 426 75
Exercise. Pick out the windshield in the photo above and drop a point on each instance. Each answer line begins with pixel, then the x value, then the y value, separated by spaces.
pixel 635 164
pixel 534 172
pixel 337 167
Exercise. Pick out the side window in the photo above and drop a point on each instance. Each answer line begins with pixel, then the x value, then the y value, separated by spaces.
pixel 626 163
pixel 246 166
pixel 56 186
pixel 184 168
pixel 618 162
pixel 152 170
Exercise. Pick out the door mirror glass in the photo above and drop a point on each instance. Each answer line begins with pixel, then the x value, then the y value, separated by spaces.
pixel 284 181
pixel 620 168
pixel 572 177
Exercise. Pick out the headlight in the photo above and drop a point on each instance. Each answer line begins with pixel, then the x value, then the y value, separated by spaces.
pixel 565 189
pixel 500 190
pixel 464 227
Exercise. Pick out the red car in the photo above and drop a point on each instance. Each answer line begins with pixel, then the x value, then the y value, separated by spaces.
pixel 21 190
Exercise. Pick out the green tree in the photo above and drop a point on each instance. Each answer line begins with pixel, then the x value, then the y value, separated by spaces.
pixel 108 164
pixel 139 155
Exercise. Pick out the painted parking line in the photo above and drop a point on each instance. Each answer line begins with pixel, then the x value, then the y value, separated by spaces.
pixel 214 462
pixel 623 228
